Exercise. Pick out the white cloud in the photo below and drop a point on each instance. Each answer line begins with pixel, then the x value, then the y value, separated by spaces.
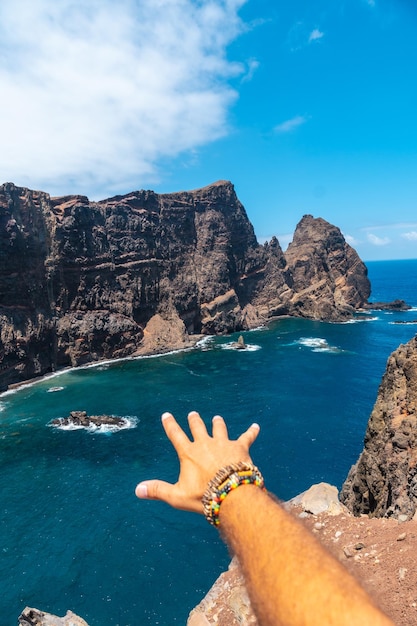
pixel 292 124
pixel 352 241
pixel 315 35
pixel 411 236
pixel 93 93
pixel 252 66
pixel 378 241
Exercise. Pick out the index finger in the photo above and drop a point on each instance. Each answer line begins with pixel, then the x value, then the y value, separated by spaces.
pixel 174 432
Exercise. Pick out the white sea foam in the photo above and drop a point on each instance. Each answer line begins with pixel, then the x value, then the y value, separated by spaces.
pixel 54 389
pixel 99 365
pixel 359 320
pixel 128 422
pixel 206 343
pixel 249 347
pixel 32 383
pixel 317 344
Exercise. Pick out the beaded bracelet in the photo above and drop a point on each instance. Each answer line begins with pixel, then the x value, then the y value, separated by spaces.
pixel 224 481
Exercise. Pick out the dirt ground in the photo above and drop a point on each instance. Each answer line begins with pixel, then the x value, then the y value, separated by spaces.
pixel 381 553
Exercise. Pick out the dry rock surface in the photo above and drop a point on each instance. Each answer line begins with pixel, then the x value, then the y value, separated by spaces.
pixel 380 553
pixel 383 482
pixel 34 617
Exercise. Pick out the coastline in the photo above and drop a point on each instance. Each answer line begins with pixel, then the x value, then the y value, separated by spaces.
pixel 192 343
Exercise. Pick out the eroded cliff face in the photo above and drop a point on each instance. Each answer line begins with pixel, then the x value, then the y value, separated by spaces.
pixel 328 277
pixel 383 482
pixel 82 281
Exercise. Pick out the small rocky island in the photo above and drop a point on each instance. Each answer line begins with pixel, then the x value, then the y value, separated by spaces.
pixel 239 344
pixel 395 305
pixel 81 419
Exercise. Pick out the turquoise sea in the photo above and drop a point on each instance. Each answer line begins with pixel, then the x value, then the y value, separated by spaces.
pixel 73 535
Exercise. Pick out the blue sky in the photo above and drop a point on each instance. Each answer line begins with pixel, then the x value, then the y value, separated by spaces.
pixel 308 106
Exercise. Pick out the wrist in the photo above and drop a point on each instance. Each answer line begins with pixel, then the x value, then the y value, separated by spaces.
pixel 225 481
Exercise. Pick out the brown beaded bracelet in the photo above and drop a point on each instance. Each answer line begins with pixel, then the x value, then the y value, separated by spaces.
pixel 224 481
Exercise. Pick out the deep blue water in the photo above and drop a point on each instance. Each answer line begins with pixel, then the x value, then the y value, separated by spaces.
pixel 73 535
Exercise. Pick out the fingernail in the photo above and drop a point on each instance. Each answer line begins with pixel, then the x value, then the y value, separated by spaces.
pixel 142 490
pixel 255 425
pixel 217 417
pixel 165 416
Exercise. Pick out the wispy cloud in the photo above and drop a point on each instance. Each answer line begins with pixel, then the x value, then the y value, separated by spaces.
pixel 94 93
pixel 411 236
pixel 252 66
pixel 291 124
pixel 371 3
pixel 301 35
pixel 352 241
pixel 378 241
pixel 315 35
pixel 393 226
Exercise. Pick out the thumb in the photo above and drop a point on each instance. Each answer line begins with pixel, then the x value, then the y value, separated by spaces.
pixel 154 490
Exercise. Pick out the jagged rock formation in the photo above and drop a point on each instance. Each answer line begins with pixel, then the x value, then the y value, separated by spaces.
pixel 383 482
pixel 34 617
pixel 326 273
pixel 81 281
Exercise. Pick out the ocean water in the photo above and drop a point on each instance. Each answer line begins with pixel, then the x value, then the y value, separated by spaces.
pixel 73 535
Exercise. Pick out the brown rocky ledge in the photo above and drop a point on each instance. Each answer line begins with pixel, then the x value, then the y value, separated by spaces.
pixel 380 553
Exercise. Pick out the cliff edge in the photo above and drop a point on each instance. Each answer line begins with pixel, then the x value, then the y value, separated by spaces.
pixel 383 482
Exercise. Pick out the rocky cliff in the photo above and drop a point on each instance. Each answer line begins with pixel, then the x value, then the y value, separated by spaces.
pixel 383 482
pixel 82 281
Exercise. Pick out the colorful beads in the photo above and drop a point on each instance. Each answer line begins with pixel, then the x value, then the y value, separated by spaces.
pixel 225 480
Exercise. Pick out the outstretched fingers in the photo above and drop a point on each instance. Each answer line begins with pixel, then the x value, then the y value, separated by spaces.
pixel 174 432
pixel 219 428
pixel 197 426
pixel 248 437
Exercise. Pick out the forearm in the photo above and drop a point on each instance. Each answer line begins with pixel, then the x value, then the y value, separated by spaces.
pixel 291 579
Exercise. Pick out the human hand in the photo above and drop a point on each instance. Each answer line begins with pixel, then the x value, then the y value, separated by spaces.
pixel 199 459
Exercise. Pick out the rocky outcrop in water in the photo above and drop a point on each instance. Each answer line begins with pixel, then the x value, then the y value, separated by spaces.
pixel 34 617
pixel 395 305
pixel 80 418
pixel 82 281
pixel 383 482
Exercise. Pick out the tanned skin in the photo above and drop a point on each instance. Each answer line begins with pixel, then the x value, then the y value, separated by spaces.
pixel 291 579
